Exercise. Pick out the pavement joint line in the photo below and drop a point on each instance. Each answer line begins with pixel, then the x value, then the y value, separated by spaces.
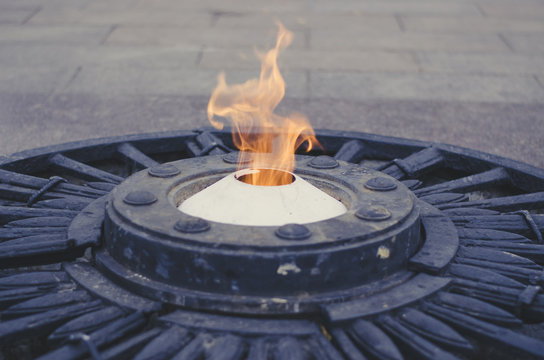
pixel 506 42
pixel 214 17
pixel 307 38
pixel 61 88
pixel 414 57
pixel 400 23
pixel 31 15
pixel 538 81
pixel 112 29
pixel 308 76
pixel 480 9
pixel 200 55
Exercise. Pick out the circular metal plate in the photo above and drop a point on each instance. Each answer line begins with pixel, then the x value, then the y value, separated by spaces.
pixel 350 250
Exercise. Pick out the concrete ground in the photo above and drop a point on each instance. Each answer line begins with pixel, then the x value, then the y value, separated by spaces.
pixel 465 72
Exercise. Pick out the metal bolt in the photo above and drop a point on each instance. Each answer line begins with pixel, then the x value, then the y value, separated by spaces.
pixel 234 158
pixel 381 184
pixel 373 213
pixel 293 232
pixel 323 162
pixel 164 171
pixel 139 198
pixel 192 225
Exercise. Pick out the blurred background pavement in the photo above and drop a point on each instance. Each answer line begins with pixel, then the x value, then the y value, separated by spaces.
pixel 464 72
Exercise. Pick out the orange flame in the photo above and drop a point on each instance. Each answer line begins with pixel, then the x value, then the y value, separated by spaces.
pixel 250 108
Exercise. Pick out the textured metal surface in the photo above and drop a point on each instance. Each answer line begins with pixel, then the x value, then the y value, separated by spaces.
pixel 471 290
pixel 336 254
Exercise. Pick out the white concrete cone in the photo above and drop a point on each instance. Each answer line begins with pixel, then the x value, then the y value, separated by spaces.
pixel 232 201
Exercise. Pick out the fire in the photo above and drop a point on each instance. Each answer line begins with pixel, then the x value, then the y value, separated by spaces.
pixel 250 108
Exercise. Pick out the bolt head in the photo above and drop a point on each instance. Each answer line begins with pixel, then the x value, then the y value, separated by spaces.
pixel 323 162
pixel 293 232
pixel 138 198
pixel 192 225
pixel 373 213
pixel 164 171
pixel 381 183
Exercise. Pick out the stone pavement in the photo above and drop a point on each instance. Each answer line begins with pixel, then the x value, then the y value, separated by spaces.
pixel 465 72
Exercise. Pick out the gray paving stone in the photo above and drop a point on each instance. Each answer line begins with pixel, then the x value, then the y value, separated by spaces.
pixel 338 22
pixel 26 4
pixel 120 16
pixel 229 7
pixel 540 80
pixel 105 5
pixel 469 24
pixel 12 55
pixel 113 82
pixel 407 41
pixel 32 121
pixel 15 16
pixel 35 120
pixel 199 37
pixel 513 9
pixel 520 64
pixel 510 130
pixel 351 56
pixel 463 88
pixel 220 59
pixel 61 35
pixel 37 79
pixel 526 43
pixel 364 61
pixel 398 7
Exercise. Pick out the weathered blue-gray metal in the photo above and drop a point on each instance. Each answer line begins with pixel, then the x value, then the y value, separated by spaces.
pixel 439 256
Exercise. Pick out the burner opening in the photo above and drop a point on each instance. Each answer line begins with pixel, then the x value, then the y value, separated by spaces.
pixel 252 176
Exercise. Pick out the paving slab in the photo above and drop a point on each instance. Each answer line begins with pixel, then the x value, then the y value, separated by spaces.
pixel 540 80
pixel 229 7
pixel 408 41
pixel 112 82
pixel 469 24
pixel 40 3
pixel 526 43
pixel 62 35
pixel 14 55
pixel 347 23
pixel 359 61
pixel 479 126
pixel 510 130
pixel 513 9
pixel 107 16
pixel 197 37
pixel 16 16
pixel 461 88
pixel 466 72
pixel 44 80
pixel 398 7
pixel 465 63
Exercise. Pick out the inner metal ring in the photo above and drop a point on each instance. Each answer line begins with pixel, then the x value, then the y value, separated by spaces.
pixel 339 253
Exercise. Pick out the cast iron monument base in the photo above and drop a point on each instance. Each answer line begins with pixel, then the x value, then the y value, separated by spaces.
pixel 439 256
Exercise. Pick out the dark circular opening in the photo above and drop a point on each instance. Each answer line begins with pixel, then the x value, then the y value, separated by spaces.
pixel 266 177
